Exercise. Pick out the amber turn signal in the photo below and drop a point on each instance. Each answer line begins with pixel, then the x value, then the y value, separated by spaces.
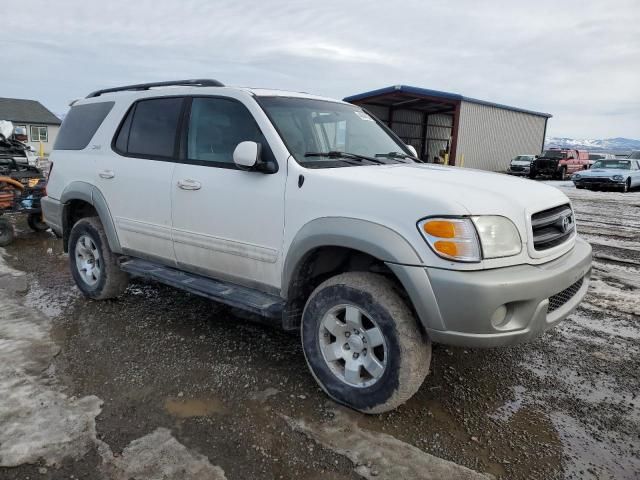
pixel 440 228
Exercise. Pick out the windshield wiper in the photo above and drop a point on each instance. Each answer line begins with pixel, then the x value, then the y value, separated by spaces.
pixel 338 154
pixel 398 156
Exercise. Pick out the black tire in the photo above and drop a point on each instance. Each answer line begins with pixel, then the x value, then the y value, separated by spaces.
pixel 7 233
pixel 533 174
pixel 562 174
pixel 408 351
pixel 36 222
pixel 110 281
pixel 627 186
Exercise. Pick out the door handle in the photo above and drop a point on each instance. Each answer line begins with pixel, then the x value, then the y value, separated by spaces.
pixel 106 174
pixel 189 184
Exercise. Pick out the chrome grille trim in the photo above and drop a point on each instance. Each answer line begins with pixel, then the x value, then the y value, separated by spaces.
pixel 552 227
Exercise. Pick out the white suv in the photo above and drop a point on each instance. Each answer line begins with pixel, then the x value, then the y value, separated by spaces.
pixel 312 213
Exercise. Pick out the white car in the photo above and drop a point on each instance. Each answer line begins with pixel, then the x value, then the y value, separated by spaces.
pixel 312 213
pixel 521 165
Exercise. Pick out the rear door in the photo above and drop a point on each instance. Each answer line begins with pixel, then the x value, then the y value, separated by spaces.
pixel 135 177
pixel 227 222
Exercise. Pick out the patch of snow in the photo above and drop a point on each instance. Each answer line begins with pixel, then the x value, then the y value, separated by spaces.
pixel 159 456
pixel 38 421
pixel 378 455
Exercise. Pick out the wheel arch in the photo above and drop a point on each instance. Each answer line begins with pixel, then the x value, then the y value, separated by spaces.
pixel 332 245
pixel 81 199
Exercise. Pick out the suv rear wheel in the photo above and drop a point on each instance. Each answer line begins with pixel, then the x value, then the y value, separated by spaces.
pixel 93 265
pixel 362 343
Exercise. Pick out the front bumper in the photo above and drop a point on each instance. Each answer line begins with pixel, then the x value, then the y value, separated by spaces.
pixel 519 173
pixel 52 213
pixel 599 183
pixel 456 307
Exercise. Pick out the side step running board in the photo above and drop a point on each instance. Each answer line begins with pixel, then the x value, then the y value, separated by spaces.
pixel 237 296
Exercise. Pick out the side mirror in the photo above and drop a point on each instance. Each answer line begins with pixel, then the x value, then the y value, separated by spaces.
pixel 413 151
pixel 247 154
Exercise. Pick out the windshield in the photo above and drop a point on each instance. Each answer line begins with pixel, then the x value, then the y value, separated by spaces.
pixel 554 154
pixel 635 155
pixel 526 158
pixel 317 132
pixel 621 164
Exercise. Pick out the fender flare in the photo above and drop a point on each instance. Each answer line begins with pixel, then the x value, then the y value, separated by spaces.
pixel 92 195
pixel 365 236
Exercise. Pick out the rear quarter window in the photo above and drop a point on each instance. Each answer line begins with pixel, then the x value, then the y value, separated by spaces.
pixel 150 128
pixel 81 124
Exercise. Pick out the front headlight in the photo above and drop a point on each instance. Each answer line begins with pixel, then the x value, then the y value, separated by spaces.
pixel 498 235
pixel 451 238
pixel 471 239
pixel 576 176
pixel 618 178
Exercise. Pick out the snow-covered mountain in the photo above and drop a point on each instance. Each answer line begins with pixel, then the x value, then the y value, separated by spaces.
pixel 617 144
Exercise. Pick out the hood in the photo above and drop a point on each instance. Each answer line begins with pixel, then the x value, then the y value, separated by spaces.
pixel 454 190
pixel 521 163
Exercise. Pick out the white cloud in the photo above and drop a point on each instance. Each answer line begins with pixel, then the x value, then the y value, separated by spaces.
pixel 574 59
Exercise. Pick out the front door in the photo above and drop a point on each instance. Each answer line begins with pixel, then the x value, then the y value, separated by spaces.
pixel 136 178
pixel 227 223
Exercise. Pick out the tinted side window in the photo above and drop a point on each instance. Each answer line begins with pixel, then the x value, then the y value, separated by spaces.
pixel 81 124
pixel 153 128
pixel 122 142
pixel 217 126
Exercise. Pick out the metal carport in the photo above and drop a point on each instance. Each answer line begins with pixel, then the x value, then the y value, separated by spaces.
pixel 478 133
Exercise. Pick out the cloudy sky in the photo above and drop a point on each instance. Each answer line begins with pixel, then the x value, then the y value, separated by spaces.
pixel 579 60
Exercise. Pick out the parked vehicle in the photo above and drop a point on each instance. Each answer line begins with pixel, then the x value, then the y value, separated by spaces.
pixel 559 163
pixel 521 165
pixel 622 174
pixel 313 214
pixel 21 184
pixel 593 157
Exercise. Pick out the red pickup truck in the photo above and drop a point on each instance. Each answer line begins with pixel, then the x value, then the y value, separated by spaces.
pixel 559 163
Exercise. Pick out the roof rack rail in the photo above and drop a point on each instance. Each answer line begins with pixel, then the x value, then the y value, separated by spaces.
pixel 194 82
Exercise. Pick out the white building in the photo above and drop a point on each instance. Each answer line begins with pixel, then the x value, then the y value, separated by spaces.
pixel 41 124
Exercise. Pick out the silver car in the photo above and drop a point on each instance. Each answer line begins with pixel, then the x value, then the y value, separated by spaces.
pixel 521 165
pixel 622 174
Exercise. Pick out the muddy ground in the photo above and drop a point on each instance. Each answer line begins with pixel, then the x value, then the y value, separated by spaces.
pixel 191 383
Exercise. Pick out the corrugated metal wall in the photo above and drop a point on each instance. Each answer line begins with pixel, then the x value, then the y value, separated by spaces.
pixel 489 137
pixel 438 134
pixel 408 125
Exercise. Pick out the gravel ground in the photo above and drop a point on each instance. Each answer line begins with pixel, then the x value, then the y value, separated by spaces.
pixel 194 381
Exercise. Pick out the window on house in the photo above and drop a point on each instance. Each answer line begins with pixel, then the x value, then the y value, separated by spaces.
pixel 39 134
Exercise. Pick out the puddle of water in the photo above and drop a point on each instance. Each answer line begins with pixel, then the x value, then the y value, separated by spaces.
pixel 51 305
pixel 588 457
pixel 194 407
pixel 511 407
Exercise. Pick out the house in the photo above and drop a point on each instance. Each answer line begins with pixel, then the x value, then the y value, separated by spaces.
pixel 41 125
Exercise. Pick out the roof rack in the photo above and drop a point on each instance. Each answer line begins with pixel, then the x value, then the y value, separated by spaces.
pixel 197 82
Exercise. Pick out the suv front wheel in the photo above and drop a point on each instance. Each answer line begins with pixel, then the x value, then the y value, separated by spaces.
pixel 362 342
pixel 93 265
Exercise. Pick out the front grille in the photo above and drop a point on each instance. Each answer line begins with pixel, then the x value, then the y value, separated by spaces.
pixel 596 180
pixel 552 227
pixel 517 168
pixel 559 299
